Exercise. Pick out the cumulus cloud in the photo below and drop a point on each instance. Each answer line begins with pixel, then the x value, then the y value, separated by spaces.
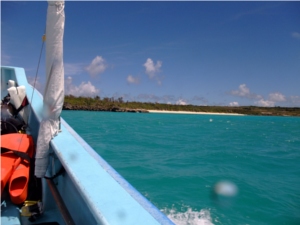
pixel 133 80
pixel 271 101
pixel 296 35
pixel 234 104
pixel 151 68
pixel 244 92
pixel 97 66
pixel 84 89
pixel 277 97
pixel 265 103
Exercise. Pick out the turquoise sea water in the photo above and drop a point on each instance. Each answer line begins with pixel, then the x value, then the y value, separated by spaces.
pixel 175 160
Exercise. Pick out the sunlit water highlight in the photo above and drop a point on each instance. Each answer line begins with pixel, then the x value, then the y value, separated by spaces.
pixel 176 161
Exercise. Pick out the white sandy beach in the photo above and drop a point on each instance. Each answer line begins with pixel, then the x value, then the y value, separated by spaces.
pixel 187 112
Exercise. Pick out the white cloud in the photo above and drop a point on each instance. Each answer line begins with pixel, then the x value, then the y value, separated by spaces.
pixel 244 92
pixel 84 89
pixel 271 101
pixel 133 80
pixel 277 97
pixel 151 68
pixel 234 104
pixel 181 102
pixel 97 66
pixel 296 35
pixel 265 103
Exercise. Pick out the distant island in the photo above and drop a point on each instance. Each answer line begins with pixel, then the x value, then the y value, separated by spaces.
pixel 118 105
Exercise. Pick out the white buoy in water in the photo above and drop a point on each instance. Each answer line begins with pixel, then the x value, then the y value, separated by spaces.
pixel 226 188
pixel 224 193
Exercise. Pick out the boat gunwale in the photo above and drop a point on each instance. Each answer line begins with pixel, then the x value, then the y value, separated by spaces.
pixel 145 203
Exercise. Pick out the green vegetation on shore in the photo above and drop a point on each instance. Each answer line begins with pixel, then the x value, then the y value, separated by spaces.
pixel 118 105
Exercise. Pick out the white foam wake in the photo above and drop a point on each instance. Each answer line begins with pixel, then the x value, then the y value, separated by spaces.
pixel 190 217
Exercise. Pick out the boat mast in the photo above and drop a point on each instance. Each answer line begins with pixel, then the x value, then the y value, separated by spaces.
pixel 54 90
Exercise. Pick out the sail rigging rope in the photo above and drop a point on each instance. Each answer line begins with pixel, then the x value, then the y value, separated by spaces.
pixel 37 70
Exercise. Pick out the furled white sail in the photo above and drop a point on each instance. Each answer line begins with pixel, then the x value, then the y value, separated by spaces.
pixel 54 90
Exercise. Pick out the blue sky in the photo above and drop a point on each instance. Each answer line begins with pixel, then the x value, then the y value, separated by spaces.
pixel 200 53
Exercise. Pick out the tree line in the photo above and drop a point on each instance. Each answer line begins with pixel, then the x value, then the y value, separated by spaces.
pixel 118 104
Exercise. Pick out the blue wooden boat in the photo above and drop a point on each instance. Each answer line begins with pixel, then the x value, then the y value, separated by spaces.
pixel 79 186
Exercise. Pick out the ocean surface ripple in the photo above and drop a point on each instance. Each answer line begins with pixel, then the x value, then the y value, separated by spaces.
pixel 203 169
